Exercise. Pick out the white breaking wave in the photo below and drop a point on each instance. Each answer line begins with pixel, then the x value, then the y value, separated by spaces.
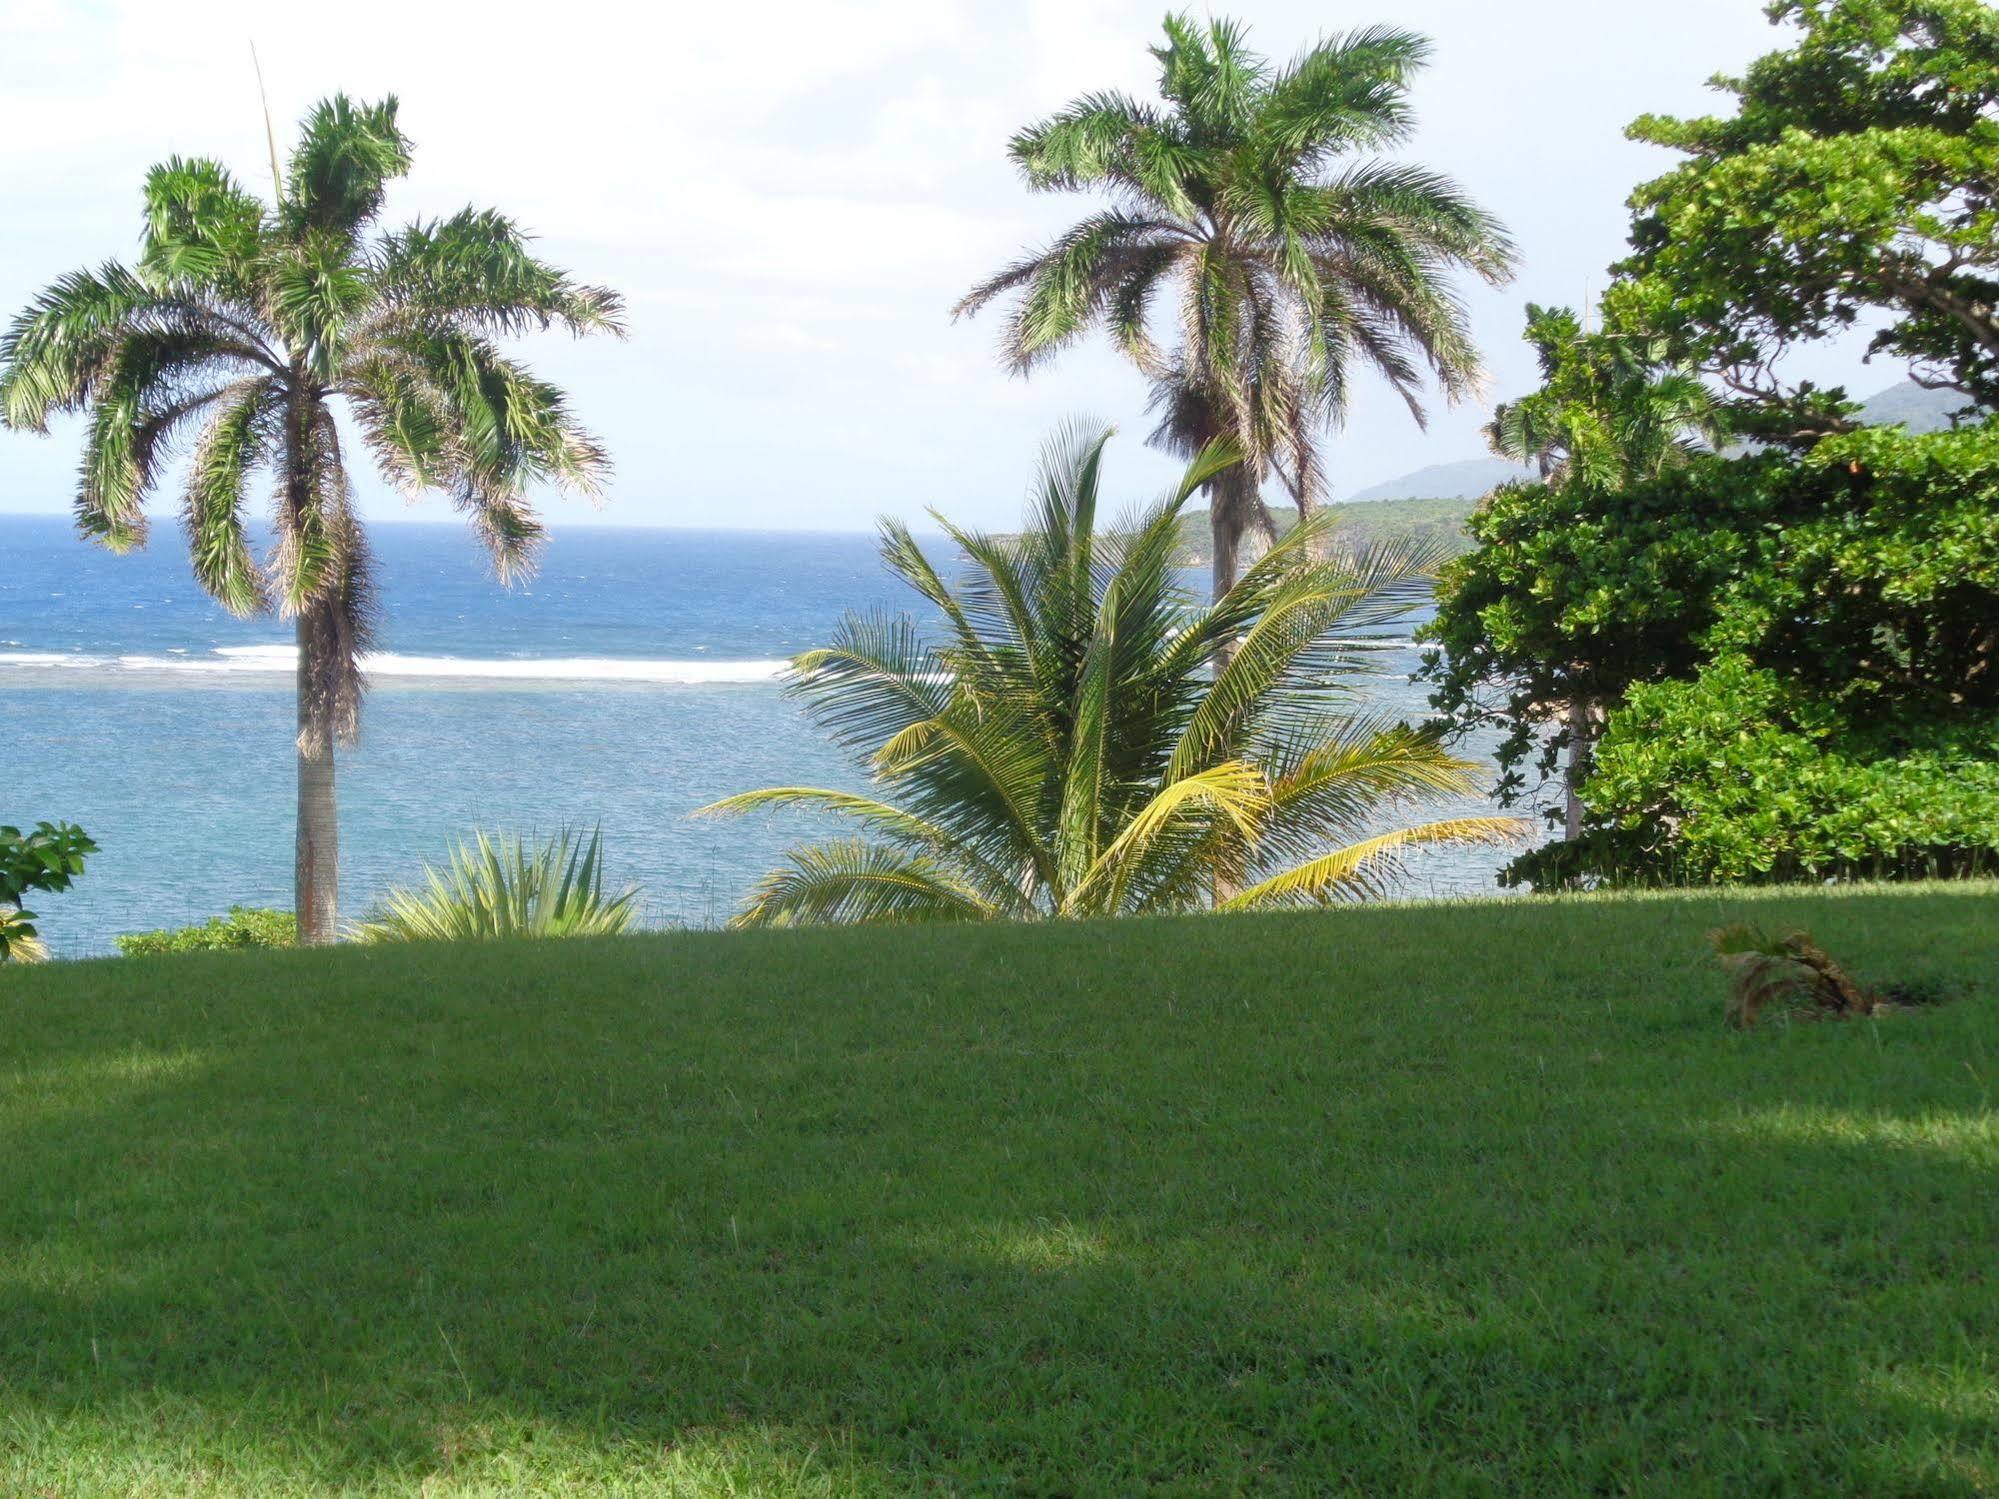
pixel 281 660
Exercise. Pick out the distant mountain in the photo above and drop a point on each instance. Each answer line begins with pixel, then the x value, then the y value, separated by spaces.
pixel 1465 480
pixel 1912 406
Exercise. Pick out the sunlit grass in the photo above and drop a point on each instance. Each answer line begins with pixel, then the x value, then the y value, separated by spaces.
pixel 1971 1138
pixel 1452 1199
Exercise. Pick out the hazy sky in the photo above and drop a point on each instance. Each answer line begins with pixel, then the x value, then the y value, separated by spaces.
pixel 791 195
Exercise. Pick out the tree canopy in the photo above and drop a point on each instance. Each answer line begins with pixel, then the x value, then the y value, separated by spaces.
pixel 1856 183
pixel 1253 197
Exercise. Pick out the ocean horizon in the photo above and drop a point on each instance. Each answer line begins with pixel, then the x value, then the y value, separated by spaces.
pixel 634 679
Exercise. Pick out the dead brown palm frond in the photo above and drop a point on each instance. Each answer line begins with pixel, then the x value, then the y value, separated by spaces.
pixel 1788 970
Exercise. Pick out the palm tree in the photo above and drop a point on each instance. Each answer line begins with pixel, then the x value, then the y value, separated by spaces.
pixel 1292 263
pixel 251 325
pixel 1613 408
pixel 1069 748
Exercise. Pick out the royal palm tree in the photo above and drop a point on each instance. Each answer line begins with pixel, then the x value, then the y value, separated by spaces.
pixel 1070 748
pixel 250 325
pixel 1294 257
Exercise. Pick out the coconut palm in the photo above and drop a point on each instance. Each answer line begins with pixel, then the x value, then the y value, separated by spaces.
pixel 1295 259
pixel 1070 748
pixel 249 325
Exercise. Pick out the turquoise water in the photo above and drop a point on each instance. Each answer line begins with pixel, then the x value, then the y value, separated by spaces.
pixel 632 682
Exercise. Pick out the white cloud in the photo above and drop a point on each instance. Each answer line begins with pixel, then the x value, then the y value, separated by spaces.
pixel 792 194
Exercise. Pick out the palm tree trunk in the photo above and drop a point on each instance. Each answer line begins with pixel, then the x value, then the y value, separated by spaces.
pixel 1234 509
pixel 316 866
pixel 1582 744
pixel 1225 534
pixel 1308 507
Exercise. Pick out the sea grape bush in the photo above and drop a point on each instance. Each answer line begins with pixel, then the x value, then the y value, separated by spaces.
pixel 1798 658
pixel 1741 776
pixel 243 926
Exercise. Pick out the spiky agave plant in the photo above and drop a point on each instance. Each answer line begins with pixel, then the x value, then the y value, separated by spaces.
pixel 507 886
pixel 1070 746
pixel 250 324
pixel 1251 196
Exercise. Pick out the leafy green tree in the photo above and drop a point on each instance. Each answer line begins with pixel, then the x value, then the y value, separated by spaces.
pixel 1294 257
pixel 1593 579
pixel 1069 748
pixel 48 857
pixel 249 325
pixel 1826 703
pixel 1857 182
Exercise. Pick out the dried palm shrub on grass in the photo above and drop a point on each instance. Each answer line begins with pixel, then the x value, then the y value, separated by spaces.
pixel 1792 972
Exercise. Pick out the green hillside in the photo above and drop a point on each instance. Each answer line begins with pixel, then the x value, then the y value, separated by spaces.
pixel 1432 522
pixel 1467 1199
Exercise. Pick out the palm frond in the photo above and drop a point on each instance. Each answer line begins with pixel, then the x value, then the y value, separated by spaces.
pixel 853 883
pixel 1358 870
pixel 339 173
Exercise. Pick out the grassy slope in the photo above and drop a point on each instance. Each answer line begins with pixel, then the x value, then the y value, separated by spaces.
pixel 1473 1200
pixel 1437 523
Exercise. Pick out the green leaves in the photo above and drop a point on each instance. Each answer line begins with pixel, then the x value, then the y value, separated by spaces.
pixel 1067 748
pixel 1858 179
pixel 475 268
pixel 347 155
pixel 1286 275
pixel 236 439
pixel 202 229
pixel 508 887
pixel 48 857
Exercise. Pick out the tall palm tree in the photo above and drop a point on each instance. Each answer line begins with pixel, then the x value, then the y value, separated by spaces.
pixel 1069 748
pixel 249 325
pixel 1294 258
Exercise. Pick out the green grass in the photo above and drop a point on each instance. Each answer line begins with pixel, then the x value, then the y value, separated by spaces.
pixel 1451 1199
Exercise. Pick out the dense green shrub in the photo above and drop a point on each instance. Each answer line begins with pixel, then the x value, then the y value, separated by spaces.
pixel 1796 658
pixel 1740 776
pixel 244 926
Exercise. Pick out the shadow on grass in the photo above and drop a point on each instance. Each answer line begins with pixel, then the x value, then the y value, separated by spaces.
pixel 367 1233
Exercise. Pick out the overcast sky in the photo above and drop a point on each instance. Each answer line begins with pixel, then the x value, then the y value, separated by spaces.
pixel 791 195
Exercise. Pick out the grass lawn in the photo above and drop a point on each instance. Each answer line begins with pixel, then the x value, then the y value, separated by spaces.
pixel 1463 1200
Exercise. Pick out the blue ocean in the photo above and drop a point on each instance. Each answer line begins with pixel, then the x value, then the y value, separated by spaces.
pixel 634 680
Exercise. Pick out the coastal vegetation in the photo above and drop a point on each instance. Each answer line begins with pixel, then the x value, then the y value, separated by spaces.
pixel 1436 527
pixel 1472 1197
pixel 507 886
pixel 248 325
pixel 1769 659
pixel 240 927
pixel 1297 258
pixel 1084 740
pixel 1004 1196
pixel 48 857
